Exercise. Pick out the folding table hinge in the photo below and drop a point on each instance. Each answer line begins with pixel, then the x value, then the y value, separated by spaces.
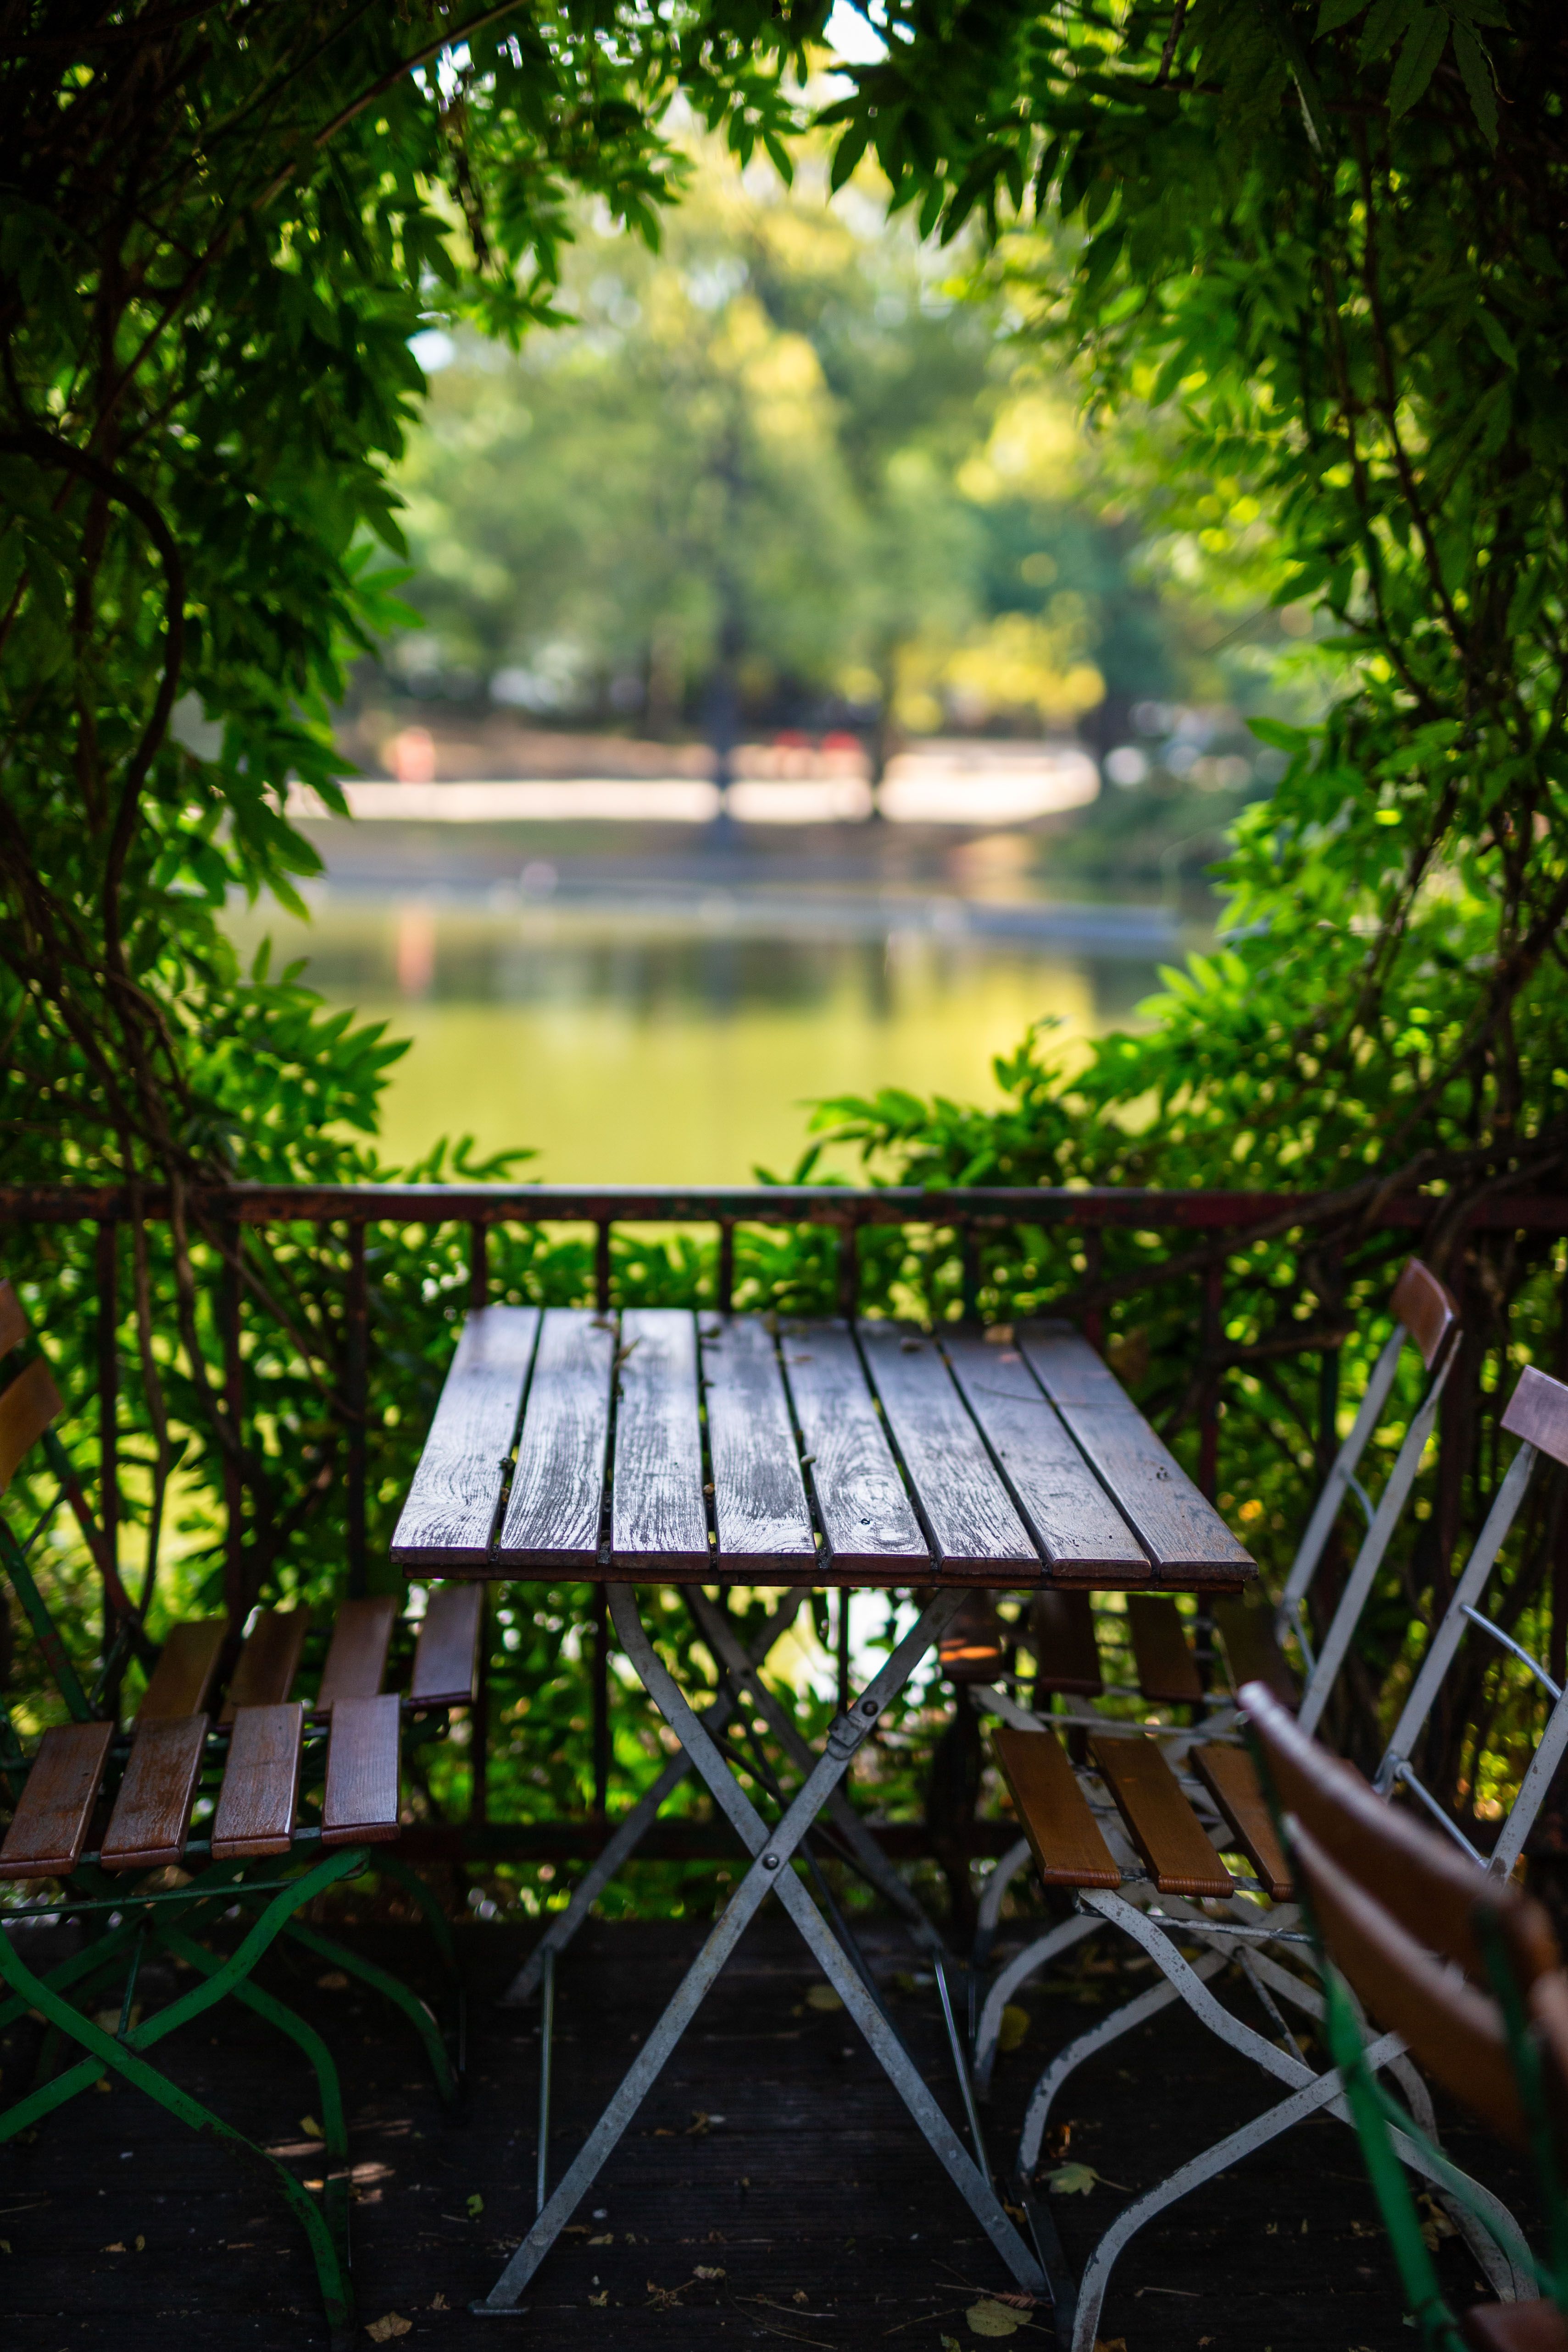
pixel 851 1727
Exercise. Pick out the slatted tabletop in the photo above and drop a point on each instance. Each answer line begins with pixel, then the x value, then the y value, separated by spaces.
pixel 662 1445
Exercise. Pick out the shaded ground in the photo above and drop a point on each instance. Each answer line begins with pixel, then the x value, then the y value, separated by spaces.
pixel 772 2153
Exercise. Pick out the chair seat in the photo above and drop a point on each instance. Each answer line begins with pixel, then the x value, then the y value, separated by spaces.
pixel 1174 1844
pixel 152 1816
pixel 49 1827
pixel 1167 1669
pixel 261 1783
pixel 1053 1811
pixel 360 1800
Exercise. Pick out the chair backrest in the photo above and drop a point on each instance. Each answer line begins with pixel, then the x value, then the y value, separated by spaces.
pixel 1537 1413
pixel 1426 1884
pixel 1427 1316
pixel 28 1406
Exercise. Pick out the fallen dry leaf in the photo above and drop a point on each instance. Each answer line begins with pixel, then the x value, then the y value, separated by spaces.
pixel 823 1995
pixel 1014 2025
pixel 312 2129
pixel 440 2302
pixel 990 2317
pixel 117 2248
pixel 608 2239
pixel 600 2300
pixel 334 1982
pixel 391 2323
pixel 706 2271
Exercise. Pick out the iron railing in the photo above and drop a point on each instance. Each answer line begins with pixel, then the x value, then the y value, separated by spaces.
pixel 1213 1227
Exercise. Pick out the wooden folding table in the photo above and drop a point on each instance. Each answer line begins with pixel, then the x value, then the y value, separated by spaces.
pixel 665 1446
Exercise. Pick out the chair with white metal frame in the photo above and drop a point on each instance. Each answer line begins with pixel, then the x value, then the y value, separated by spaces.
pixel 1425 1315
pixel 1538 1414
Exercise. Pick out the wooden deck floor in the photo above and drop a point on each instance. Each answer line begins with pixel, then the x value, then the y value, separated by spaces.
pixel 771 2157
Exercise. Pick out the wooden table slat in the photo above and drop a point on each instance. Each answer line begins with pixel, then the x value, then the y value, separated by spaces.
pixel 867 1520
pixel 450 1514
pixel 553 1513
pixel 658 1520
pixel 966 1506
pixel 760 1510
pixel 1183 1535
pixel 1067 1510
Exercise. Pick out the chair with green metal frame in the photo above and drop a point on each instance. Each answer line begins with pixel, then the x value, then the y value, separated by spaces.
pixel 261 1855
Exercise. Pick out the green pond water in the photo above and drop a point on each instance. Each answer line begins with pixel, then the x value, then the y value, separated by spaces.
pixel 632 1047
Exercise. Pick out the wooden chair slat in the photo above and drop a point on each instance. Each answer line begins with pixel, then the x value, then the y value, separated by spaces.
pixel 1231 1778
pixel 183 1676
pixel 1066 1656
pixel 269 1661
pixel 1252 1648
pixel 48 1829
pixel 1053 1811
pixel 1067 1510
pixel 974 1649
pixel 360 1800
pixel 759 1511
pixel 1428 1887
pixel 1167 1669
pixel 1538 1412
pixel 1175 1847
pixel 27 1409
pixel 860 1499
pixel 261 1783
pixel 1455 2031
pixel 152 1815
pixel 446 1654
pixel 965 1506
pixel 1514 2327
pixel 356 1655
pixel 1183 1535
pixel 449 1516
pixel 657 1515
pixel 13 1326
pixel 1427 1310
pixel 554 1511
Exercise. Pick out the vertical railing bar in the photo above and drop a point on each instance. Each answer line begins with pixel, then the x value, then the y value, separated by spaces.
pixel 844 1692
pixel 1208 1446
pixel 850 1270
pixel 601 1266
pixel 106 1270
pixel 480 1723
pixel 356 1405
pixel 230 1307
pixel 1093 1271
pixel 726 1285
pixel 969 1244
pixel 479 1263
pixel 600 1702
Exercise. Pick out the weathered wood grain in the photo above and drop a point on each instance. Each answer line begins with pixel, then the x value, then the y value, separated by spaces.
pixel 152 1815
pixel 261 1783
pixel 867 1521
pixel 759 1511
pixel 1538 1412
pixel 1065 1507
pixel 48 1829
pixel 553 1512
pixel 1183 1536
pixel 965 1508
pixel 449 1517
pixel 658 1522
pixel 361 1796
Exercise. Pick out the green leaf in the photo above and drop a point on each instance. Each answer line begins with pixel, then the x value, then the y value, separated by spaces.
pixel 1475 67
pixel 1418 60
pixel 1335 13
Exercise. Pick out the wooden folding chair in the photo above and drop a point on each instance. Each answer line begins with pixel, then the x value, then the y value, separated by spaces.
pixel 106 1815
pixel 1217 1782
pixel 1179 1865
pixel 1426 1940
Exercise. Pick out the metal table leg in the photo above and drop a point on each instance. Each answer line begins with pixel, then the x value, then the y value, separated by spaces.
pixel 770 1874
pixel 631 1831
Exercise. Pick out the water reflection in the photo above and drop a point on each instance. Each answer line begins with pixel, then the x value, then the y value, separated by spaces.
pixel 630 1045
